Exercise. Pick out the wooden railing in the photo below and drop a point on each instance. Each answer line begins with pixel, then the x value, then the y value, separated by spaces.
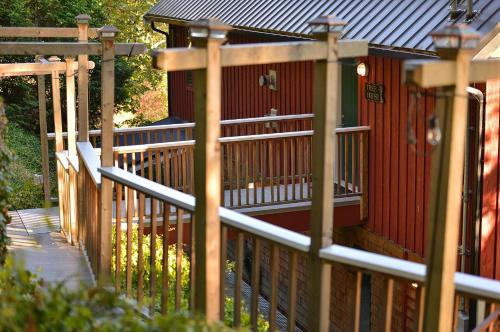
pixel 184 131
pixel 279 259
pixel 257 170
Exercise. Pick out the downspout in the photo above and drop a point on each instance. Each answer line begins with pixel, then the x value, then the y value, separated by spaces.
pixel 454 10
pixel 167 42
pixel 476 191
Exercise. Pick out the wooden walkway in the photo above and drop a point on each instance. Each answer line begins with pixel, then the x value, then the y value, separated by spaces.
pixel 37 241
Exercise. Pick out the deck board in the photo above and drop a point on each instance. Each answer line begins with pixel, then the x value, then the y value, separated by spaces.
pixel 37 242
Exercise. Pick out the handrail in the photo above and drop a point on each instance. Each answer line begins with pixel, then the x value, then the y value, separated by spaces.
pixel 191 124
pixel 62 157
pixel 230 218
pixel 464 283
pixel 257 137
pixel 90 160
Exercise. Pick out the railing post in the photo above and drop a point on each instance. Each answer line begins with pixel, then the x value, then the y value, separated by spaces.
pixel 209 34
pixel 363 174
pixel 71 128
pixel 326 93
pixel 42 116
pixel 59 143
pixel 82 21
pixel 107 36
pixel 83 81
pixel 446 187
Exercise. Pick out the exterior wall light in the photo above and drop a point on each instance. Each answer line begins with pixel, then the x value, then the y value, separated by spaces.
pixel 362 69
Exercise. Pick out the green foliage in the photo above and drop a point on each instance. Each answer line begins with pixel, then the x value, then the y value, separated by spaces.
pixel 27 304
pixel 5 189
pixel 262 324
pixel 26 193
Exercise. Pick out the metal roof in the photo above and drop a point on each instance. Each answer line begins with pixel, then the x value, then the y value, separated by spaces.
pixel 391 23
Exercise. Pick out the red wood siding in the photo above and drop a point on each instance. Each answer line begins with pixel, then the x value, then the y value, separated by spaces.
pixel 490 223
pixel 399 173
pixel 242 97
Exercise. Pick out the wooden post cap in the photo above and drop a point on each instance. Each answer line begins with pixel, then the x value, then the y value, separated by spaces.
pixel 209 28
pixel 326 24
pixel 82 19
pixel 108 32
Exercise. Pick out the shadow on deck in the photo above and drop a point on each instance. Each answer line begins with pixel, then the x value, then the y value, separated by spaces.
pixel 37 241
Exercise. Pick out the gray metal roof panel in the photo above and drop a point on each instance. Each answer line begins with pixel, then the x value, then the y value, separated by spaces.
pixel 391 23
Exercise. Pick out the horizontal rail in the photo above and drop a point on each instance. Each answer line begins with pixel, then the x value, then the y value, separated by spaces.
pixel 91 161
pixel 46 32
pixel 464 283
pixel 177 59
pixel 245 138
pixel 73 48
pixel 191 124
pixel 230 218
pixel 148 187
pixel 18 69
pixel 265 230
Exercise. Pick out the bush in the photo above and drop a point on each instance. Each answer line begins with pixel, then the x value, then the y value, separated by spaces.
pixel 26 193
pixel 5 158
pixel 27 304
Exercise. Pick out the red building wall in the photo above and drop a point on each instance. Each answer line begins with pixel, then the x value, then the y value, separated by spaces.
pixel 398 172
pixel 490 223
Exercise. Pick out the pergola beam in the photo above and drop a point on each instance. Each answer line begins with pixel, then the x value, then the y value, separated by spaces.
pixel 46 68
pixel 68 49
pixel 177 59
pixel 435 73
pixel 37 32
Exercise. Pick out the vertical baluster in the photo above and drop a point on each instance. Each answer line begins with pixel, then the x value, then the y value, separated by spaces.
pixel 164 287
pixel 346 162
pixel 130 215
pixel 419 309
pixel 357 301
pixel 191 171
pixel 192 265
pixel 254 171
pixel 238 173
pixel 339 158
pixel 140 237
pixel 178 261
pixel 270 159
pixel 292 291
pixel 292 170
pixel 118 235
pixel 152 258
pixel 285 169
pixel 309 167
pixel 223 257
pixel 230 174
pixel 273 300
pixel 246 146
pixel 240 238
pixel 175 163
pixel 388 298
pixel 278 169
pixel 224 167
pixel 353 162
pixel 254 312
pixel 262 159
pixel 300 152
pixel 184 169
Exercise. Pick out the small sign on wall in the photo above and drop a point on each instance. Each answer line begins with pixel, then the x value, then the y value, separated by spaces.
pixel 374 92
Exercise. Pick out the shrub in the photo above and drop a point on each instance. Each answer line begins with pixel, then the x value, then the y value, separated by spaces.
pixel 27 304
pixel 5 158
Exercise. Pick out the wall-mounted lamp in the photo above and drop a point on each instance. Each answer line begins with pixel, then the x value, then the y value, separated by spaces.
pixel 362 69
pixel 270 80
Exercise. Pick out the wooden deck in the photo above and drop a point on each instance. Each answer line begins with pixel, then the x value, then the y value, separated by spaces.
pixel 37 241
